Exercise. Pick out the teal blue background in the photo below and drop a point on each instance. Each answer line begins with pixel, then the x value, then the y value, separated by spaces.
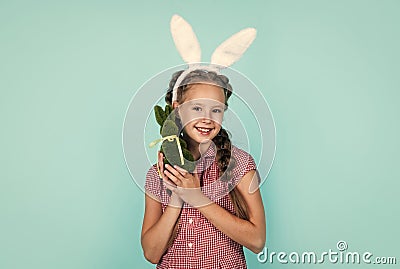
pixel 329 70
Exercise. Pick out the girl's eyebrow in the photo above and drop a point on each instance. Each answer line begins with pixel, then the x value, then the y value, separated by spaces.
pixel 220 105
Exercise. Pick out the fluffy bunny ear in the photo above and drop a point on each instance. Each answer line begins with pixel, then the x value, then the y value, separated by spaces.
pixel 185 40
pixel 233 48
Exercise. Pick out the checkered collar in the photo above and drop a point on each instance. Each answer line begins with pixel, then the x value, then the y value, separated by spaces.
pixel 208 157
pixel 210 152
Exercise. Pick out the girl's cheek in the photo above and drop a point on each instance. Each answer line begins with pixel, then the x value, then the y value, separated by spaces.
pixel 218 120
pixel 217 130
pixel 188 118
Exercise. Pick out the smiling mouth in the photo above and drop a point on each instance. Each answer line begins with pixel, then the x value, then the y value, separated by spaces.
pixel 204 131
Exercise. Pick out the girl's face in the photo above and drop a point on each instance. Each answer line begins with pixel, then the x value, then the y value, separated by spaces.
pixel 201 111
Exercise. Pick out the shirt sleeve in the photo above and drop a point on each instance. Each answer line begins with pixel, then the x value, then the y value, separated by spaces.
pixel 244 163
pixel 248 165
pixel 152 185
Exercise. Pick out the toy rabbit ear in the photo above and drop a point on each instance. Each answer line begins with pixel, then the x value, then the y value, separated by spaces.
pixel 185 40
pixel 233 48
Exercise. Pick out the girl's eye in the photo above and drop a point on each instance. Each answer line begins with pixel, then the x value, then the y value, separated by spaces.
pixel 217 110
pixel 197 108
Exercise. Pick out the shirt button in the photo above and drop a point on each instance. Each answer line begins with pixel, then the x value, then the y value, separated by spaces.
pixel 190 221
pixel 190 245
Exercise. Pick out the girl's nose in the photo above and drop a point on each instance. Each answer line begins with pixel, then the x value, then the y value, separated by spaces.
pixel 206 120
pixel 206 116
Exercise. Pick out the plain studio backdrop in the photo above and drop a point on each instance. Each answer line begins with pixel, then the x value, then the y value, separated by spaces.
pixel 68 69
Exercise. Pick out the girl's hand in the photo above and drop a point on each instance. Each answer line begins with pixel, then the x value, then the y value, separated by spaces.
pixel 187 186
pixel 175 200
pixel 182 178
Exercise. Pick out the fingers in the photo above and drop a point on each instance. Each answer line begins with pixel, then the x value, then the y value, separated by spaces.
pixel 173 175
pixel 181 177
pixel 185 173
pixel 160 162
pixel 160 165
pixel 182 171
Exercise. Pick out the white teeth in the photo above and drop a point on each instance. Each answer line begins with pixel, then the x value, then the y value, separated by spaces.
pixel 203 129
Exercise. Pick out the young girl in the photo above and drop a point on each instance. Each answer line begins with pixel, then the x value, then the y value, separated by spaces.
pixel 203 219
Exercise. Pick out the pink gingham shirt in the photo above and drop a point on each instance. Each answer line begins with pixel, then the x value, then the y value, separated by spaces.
pixel 198 243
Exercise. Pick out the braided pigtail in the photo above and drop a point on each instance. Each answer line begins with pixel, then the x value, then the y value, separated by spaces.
pixel 223 144
pixel 225 164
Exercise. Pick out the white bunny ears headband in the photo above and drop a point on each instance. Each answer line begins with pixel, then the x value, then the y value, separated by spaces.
pixel 189 48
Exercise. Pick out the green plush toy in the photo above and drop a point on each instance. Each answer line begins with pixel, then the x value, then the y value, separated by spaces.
pixel 175 153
